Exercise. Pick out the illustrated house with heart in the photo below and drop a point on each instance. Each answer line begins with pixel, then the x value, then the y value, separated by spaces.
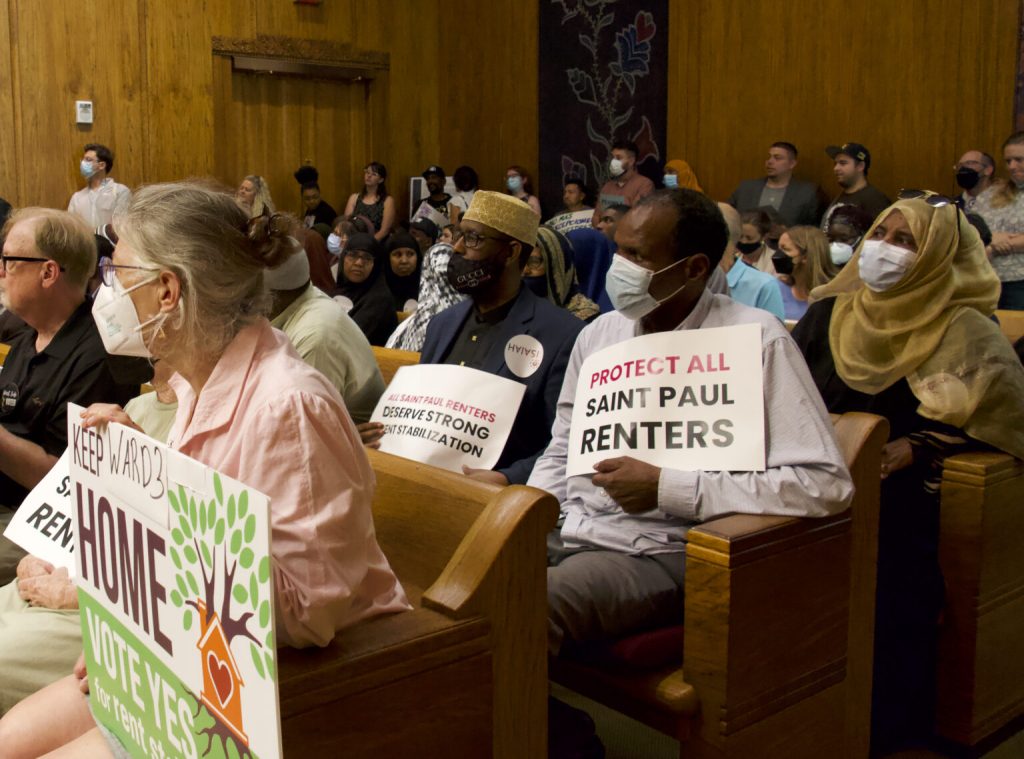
pixel 222 682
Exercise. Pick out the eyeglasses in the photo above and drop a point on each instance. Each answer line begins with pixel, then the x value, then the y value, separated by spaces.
pixel 358 255
pixel 474 240
pixel 106 267
pixel 4 259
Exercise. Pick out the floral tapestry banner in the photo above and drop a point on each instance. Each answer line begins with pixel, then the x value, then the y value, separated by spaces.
pixel 603 77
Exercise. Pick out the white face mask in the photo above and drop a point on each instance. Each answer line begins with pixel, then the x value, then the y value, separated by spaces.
pixel 118 321
pixel 883 266
pixel 628 287
pixel 616 167
pixel 334 244
pixel 840 252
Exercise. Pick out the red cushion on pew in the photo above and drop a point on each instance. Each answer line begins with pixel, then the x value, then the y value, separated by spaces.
pixel 649 650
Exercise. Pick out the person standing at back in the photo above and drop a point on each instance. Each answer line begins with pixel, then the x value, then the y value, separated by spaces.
pixel 626 185
pixel 852 163
pixel 95 203
pixel 797 201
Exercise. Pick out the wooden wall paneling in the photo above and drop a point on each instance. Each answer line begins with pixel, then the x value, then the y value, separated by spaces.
pixel 895 78
pixel 9 150
pixel 82 51
pixel 489 90
pixel 332 20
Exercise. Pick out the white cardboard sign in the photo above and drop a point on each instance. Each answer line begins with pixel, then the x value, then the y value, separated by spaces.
pixel 42 525
pixel 448 416
pixel 688 399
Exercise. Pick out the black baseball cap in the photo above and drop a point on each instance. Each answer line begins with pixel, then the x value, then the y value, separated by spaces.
pixel 855 150
pixel 434 170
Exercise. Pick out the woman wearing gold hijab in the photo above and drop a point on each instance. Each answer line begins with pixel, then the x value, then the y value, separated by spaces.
pixel 904 331
pixel 679 174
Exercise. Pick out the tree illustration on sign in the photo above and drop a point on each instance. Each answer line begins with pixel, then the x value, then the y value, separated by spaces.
pixel 212 543
pixel 603 88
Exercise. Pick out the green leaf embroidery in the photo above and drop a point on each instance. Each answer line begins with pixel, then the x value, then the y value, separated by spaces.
pixel 231 511
pixel 175 557
pixel 250 528
pixel 202 517
pixel 246 558
pixel 218 489
pixel 192 582
pixel 236 541
pixel 254 590
pixel 243 503
pixel 264 571
pixel 207 556
pixel 190 555
pixel 176 599
pixel 264 613
pixel 174 501
pixel 187 620
pixel 218 532
pixel 270 663
pixel 240 593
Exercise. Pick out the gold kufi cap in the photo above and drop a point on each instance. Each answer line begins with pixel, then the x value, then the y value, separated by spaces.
pixel 504 213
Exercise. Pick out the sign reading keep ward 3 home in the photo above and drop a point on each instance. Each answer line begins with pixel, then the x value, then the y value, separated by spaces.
pixel 174 586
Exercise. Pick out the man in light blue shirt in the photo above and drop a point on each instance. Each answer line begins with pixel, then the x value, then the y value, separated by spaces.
pixel 747 285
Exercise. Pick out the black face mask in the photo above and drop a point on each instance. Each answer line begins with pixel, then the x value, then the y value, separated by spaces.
pixel 967 178
pixel 746 248
pixel 537 285
pixel 783 263
pixel 467 276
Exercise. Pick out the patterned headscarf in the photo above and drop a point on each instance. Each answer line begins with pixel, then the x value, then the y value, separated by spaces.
pixel 560 274
pixel 435 296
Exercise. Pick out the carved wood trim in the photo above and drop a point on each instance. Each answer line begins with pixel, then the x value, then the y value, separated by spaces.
pixel 291 55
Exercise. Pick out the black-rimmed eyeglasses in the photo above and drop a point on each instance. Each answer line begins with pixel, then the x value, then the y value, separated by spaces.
pixel 28 259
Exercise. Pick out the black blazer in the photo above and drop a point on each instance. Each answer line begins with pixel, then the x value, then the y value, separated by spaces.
pixel 556 330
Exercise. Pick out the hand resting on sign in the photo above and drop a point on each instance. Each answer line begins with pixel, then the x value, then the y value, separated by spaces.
pixel 371 433
pixel 633 484
pixel 39 584
pixel 101 414
pixel 485 475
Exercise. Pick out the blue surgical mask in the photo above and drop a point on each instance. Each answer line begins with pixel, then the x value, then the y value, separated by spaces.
pixel 671 180
pixel 334 244
pixel 628 287
pixel 514 184
pixel 88 168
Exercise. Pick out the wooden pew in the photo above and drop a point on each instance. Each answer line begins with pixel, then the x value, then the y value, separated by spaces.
pixel 1011 323
pixel 779 615
pixel 390 359
pixel 980 671
pixel 465 672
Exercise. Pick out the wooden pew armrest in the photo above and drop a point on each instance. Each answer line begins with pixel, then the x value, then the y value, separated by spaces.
pixel 512 510
pixel 740 538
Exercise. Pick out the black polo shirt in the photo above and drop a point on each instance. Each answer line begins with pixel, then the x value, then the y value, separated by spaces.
pixel 478 335
pixel 35 388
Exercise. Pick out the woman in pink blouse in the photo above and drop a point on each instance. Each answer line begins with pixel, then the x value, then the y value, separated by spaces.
pixel 186 286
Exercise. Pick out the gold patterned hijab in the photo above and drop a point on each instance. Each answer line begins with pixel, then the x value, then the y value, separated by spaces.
pixel 933 329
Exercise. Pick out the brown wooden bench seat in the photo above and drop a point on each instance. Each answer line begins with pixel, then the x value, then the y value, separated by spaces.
pixel 779 625
pixel 465 672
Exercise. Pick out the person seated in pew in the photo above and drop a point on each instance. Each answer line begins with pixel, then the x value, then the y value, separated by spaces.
pixel 48 258
pixel 551 274
pixel 498 233
pixel 802 263
pixel 362 290
pixel 903 331
pixel 747 285
pixel 324 336
pixel 40 629
pixel 190 268
pixel 402 272
pixel 436 294
pixel 616 559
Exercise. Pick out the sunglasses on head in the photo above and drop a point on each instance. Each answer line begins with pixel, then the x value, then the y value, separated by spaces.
pixel 931 198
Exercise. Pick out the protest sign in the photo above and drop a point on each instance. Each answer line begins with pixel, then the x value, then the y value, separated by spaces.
pixel 42 525
pixel 572 220
pixel 689 399
pixel 448 416
pixel 175 592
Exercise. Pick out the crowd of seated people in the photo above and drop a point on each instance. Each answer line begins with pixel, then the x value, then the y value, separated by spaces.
pixel 890 306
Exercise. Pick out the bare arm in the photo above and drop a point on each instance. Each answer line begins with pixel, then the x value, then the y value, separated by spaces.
pixel 351 205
